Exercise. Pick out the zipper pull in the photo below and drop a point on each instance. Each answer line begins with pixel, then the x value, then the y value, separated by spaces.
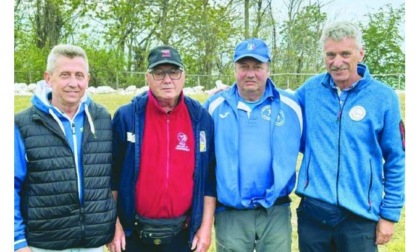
pixel 73 128
pixel 339 115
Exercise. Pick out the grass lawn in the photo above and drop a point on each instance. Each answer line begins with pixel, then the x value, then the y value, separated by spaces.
pixel 113 101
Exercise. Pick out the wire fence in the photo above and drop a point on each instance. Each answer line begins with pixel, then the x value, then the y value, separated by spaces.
pixel 120 80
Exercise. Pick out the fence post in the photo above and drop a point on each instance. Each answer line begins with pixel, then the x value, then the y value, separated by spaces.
pixel 116 76
pixel 399 81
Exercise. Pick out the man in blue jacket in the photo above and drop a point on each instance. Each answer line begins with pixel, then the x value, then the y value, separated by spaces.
pixel 162 175
pixel 257 136
pixel 351 179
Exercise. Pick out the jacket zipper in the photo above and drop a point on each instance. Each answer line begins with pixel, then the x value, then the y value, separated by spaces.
pixel 339 117
pixel 76 158
pixel 167 151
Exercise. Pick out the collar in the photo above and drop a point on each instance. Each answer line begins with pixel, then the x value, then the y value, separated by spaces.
pixel 153 101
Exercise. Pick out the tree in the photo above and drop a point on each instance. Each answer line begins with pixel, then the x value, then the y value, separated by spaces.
pixel 299 47
pixel 207 48
pixel 40 25
pixel 47 22
pixel 119 34
pixel 383 43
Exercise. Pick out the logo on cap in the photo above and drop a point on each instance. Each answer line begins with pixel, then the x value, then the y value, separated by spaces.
pixel 251 46
pixel 166 53
pixel 254 48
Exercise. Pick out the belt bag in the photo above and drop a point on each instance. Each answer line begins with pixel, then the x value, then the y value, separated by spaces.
pixel 159 231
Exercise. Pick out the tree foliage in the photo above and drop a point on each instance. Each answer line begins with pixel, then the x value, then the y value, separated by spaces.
pixel 299 44
pixel 118 35
pixel 383 39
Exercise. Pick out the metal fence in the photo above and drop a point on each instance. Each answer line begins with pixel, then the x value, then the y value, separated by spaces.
pixel 125 79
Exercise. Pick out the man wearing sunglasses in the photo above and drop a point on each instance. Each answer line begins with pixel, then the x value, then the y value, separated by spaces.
pixel 162 180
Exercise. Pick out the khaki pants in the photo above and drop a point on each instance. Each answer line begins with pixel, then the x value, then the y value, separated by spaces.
pixel 260 230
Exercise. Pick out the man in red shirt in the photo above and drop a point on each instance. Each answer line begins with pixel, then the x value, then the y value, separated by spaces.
pixel 163 148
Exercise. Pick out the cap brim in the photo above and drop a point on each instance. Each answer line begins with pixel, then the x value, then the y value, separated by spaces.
pixel 257 57
pixel 165 62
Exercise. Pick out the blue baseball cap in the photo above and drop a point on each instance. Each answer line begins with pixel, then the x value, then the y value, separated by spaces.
pixel 255 48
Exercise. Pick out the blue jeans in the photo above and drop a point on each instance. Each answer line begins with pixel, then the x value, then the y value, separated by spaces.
pixel 327 228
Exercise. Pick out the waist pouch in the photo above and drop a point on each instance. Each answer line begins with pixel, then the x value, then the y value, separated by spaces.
pixel 159 231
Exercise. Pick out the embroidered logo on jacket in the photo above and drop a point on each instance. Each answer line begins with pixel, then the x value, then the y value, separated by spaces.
pixel 224 115
pixel 182 142
pixel 280 118
pixel 357 113
pixel 402 132
pixel 266 112
pixel 266 115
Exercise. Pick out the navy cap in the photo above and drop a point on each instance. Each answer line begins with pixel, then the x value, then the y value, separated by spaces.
pixel 164 55
pixel 255 48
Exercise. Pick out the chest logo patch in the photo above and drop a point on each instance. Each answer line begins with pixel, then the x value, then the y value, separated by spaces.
pixel 357 113
pixel 280 118
pixel 182 142
pixel 266 115
pixel 266 112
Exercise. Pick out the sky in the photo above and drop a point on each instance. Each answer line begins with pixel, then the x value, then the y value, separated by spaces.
pixel 348 9
pixel 351 10
pixel 355 9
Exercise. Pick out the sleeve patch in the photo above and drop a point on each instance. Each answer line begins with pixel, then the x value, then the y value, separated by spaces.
pixel 402 132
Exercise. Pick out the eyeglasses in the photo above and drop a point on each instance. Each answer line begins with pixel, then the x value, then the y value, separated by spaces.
pixel 174 74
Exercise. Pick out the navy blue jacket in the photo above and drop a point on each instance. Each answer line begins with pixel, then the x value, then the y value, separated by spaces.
pixel 128 127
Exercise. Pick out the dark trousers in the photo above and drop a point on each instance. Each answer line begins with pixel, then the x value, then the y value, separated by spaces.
pixel 178 244
pixel 326 228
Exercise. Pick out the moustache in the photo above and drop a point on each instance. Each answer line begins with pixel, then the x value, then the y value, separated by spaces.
pixel 338 68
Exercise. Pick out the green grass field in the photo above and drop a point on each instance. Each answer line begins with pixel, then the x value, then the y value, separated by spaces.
pixel 113 101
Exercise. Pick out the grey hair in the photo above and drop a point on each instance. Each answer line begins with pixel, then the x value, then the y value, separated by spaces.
pixel 340 30
pixel 69 51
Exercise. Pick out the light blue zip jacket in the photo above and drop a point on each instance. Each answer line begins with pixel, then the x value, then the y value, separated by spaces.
pixel 354 157
pixel 286 130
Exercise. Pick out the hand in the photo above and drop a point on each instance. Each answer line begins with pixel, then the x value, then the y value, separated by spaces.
pixel 202 240
pixel 25 249
pixel 217 89
pixel 384 231
pixel 118 243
